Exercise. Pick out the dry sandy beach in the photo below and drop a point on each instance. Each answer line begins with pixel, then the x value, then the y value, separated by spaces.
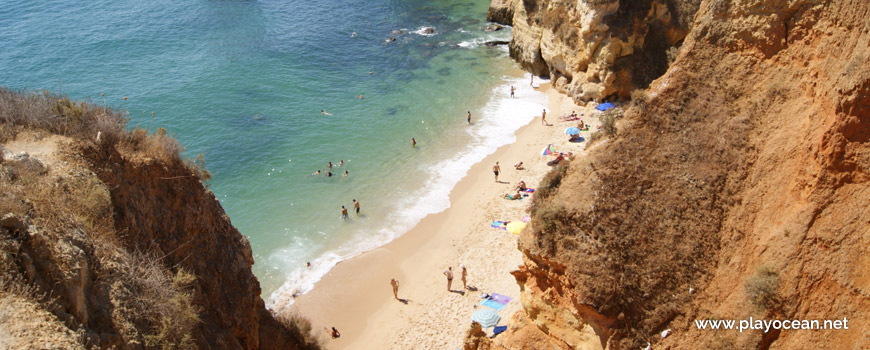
pixel 356 296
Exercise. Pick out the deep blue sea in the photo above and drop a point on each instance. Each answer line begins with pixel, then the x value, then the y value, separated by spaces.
pixel 244 83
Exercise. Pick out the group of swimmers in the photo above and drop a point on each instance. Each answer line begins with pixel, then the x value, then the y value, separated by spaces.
pixel 328 171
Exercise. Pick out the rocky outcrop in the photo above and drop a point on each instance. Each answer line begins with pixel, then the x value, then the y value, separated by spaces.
pixel 501 11
pixel 734 189
pixel 118 242
pixel 595 50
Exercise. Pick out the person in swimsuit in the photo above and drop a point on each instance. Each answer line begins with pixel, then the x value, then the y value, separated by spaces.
pixel 512 90
pixel 343 213
pixel 395 285
pixel 413 142
pixel 464 275
pixel 544 117
pixel 495 170
pixel 469 117
pixel 333 333
pixel 449 274
pixel 356 207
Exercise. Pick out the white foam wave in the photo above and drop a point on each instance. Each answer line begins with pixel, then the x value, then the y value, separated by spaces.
pixel 499 120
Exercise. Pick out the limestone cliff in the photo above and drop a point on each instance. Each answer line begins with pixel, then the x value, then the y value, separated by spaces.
pixel 735 187
pixel 596 49
pixel 111 239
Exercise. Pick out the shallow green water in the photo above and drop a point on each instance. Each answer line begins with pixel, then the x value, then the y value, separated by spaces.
pixel 243 82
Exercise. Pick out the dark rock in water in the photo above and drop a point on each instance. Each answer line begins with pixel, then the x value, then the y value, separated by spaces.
pixel 493 28
pixel 427 30
pixel 495 43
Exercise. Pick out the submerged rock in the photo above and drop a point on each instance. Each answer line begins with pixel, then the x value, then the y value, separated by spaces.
pixel 495 43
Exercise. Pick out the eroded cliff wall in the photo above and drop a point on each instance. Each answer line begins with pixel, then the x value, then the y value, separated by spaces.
pixel 110 240
pixel 735 187
pixel 596 49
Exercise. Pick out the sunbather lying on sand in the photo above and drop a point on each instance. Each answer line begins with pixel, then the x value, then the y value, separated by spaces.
pixel 512 197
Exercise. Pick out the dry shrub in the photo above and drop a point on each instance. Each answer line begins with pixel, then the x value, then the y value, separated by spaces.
pixel 58 114
pixel 762 288
pixel 608 121
pixel 550 183
pixel 300 328
pixel 156 299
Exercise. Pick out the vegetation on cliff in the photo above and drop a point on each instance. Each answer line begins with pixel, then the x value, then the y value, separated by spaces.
pixel 110 240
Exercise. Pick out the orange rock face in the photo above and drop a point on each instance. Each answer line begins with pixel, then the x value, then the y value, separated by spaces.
pixel 736 188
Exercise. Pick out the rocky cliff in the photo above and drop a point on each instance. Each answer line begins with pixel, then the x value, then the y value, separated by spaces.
pixel 735 186
pixel 596 49
pixel 111 240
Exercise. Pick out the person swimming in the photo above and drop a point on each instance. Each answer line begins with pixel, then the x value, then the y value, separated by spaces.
pixel 324 112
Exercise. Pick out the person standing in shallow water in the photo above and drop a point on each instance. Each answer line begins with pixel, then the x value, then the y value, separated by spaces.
pixel 469 117
pixel 512 91
pixel 343 213
pixel 356 207
pixel 413 142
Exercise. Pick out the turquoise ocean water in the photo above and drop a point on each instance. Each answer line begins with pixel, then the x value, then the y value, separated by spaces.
pixel 243 82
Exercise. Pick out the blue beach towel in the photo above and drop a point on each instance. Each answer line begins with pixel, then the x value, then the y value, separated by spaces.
pixel 498 329
pixel 500 224
pixel 492 304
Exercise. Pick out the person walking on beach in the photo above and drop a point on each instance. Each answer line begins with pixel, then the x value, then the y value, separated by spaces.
pixel 356 207
pixel 544 117
pixel 343 213
pixel 469 117
pixel 464 275
pixel 449 274
pixel 395 285
pixel 532 83
pixel 495 169
pixel 512 91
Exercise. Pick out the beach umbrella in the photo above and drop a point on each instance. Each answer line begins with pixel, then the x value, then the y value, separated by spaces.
pixel 605 106
pixel 549 150
pixel 515 227
pixel 486 317
pixel 572 131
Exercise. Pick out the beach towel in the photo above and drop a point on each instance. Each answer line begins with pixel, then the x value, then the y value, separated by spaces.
pixel 526 218
pixel 498 329
pixel 529 190
pixel 500 224
pixel 501 299
pixel 492 304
